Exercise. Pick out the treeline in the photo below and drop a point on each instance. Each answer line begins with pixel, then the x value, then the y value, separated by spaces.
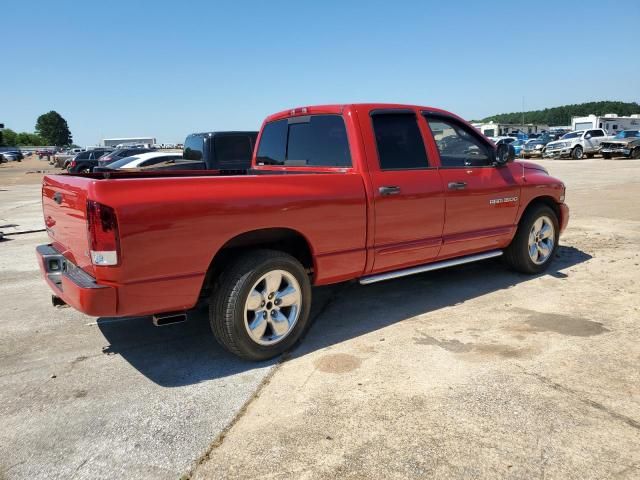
pixel 9 138
pixel 51 129
pixel 562 115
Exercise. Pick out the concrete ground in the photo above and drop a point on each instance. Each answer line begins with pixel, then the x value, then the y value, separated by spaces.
pixel 473 372
pixel 82 397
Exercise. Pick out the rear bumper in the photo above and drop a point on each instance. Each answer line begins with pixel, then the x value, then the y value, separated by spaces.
pixel 75 286
pixel 564 216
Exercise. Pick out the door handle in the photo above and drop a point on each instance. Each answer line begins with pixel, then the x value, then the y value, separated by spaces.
pixel 389 190
pixel 457 185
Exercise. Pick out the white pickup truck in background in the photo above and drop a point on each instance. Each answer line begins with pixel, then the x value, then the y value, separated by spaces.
pixel 577 144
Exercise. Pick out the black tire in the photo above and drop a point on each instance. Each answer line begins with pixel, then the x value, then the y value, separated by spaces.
pixel 230 293
pixel 517 253
pixel 606 156
pixel 635 153
pixel 577 152
pixel 589 155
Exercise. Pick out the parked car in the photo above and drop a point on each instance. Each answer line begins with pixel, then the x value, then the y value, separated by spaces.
pixel 12 156
pixel 334 193
pixel 226 151
pixel 84 162
pixel 62 159
pixel 142 160
pixel 45 153
pixel 536 146
pixel 625 144
pixel 119 153
pixel 517 146
pixel 576 144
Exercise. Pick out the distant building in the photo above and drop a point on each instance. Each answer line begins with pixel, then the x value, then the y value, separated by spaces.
pixel 114 142
pixel 610 122
pixel 493 129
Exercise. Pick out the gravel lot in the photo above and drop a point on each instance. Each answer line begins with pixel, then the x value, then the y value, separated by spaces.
pixel 473 372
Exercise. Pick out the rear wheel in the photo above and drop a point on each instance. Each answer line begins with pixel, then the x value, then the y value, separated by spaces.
pixel 536 241
pixel 577 153
pixel 260 305
pixel 635 154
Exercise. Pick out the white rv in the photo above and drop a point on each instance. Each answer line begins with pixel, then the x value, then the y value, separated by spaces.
pixel 610 122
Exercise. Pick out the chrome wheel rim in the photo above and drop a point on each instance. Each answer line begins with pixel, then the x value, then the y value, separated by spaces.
pixel 272 307
pixel 541 240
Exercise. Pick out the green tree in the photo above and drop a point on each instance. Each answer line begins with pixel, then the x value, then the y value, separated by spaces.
pixel 54 129
pixel 10 138
pixel 30 139
pixel 562 115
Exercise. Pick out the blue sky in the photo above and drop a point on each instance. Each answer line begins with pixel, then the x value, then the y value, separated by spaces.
pixel 127 68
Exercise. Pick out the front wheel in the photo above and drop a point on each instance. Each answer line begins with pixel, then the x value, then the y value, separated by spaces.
pixel 536 241
pixel 635 154
pixel 577 153
pixel 260 305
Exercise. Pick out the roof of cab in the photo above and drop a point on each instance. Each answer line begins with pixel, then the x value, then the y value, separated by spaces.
pixel 339 109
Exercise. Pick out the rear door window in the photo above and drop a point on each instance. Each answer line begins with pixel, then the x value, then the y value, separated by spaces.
pixel 315 140
pixel 399 142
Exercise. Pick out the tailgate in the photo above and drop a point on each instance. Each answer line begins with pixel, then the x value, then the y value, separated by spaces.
pixel 64 205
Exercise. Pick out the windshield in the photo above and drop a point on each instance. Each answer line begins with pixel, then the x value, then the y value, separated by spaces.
pixel 577 134
pixel 628 134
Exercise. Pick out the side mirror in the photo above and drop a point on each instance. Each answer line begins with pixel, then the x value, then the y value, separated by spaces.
pixel 587 136
pixel 505 153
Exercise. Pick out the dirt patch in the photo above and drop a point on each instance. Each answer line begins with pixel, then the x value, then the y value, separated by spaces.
pixel 562 324
pixel 338 363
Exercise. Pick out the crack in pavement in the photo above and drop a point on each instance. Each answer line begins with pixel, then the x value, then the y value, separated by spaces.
pixel 591 403
pixel 219 440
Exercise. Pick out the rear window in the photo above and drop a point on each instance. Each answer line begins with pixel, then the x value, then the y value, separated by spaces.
pixel 317 141
pixel 233 151
pixel 193 148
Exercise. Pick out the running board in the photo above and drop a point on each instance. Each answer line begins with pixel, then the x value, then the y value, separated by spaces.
pixel 430 266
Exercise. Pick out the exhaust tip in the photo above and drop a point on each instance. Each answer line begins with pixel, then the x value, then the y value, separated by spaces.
pixel 164 319
pixel 56 301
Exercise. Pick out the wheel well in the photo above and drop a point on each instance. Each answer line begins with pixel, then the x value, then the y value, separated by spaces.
pixel 549 202
pixel 282 239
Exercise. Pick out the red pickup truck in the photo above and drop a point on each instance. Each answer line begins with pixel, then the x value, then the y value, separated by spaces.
pixel 336 192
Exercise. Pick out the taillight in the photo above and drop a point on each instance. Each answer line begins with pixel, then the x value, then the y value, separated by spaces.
pixel 73 163
pixel 102 224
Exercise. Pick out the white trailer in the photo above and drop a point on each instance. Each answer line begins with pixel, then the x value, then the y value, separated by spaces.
pixel 610 122
pixel 113 142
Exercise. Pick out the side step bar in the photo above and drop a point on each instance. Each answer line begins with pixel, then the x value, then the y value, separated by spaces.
pixel 430 266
